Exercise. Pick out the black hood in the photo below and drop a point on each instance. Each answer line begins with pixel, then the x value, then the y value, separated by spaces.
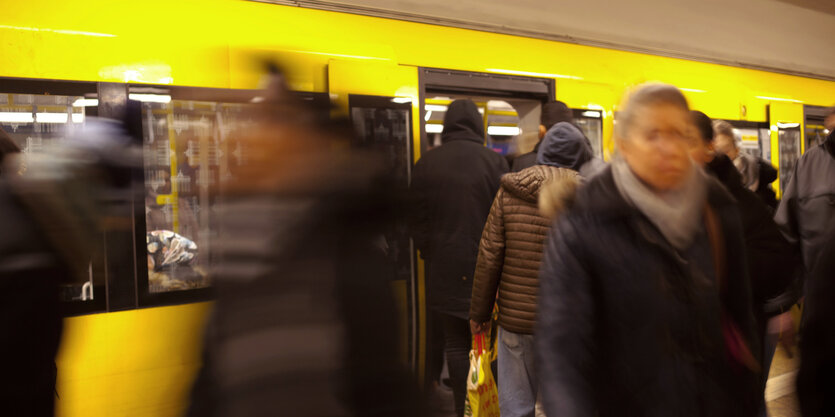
pixel 564 146
pixel 463 122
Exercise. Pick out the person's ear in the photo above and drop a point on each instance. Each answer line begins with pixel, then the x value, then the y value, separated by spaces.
pixel 542 131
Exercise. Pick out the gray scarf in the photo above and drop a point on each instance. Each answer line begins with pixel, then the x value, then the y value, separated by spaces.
pixel 677 213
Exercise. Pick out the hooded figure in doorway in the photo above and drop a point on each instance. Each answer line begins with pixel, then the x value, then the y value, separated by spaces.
pixel 452 189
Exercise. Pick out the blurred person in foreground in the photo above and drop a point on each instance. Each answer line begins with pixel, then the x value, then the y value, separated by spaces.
pixel 644 305
pixel 52 211
pixel 509 258
pixel 452 189
pixel 757 173
pixel 304 323
pixel 552 112
pixel 815 388
pixel 806 214
pixel 772 265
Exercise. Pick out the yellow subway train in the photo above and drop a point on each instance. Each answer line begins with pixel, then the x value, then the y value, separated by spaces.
pixel 131 345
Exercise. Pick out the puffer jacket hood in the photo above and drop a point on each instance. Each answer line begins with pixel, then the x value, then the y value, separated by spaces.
pixel 564 146
pixel 528 183
pixel 463 122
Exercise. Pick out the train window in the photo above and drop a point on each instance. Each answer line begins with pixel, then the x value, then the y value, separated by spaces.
pixel 37 122
pixel 385 124
pixel 814 129
pixel 788 139
pixel 507 126
pixel 591 123
pixel 190 147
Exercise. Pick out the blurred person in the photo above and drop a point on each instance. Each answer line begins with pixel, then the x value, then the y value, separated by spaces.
pixel 829 120
pixel 806 214
pixel 452 188
pixel 757 173
pixel 7 147
pixel 304 323
pixel 644 305
pixel 815 389
pixel 509 258
pixel 51 214
pixel 552 113
pixel 771 262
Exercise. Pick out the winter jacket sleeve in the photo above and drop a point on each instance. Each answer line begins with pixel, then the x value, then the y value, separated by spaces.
pixel 565 343
pixel 488 268
pixel 786 216
pixel 771 260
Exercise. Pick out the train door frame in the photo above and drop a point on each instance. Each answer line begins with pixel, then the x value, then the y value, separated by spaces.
pixel 445 81
pixel 455 82
pixel 409 328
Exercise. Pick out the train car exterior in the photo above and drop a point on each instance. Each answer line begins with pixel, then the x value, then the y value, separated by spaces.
pixel 141 361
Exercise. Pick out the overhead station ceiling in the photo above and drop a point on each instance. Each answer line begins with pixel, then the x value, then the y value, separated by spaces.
pixel 791 36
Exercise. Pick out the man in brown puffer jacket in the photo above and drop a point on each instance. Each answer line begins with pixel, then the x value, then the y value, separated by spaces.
pixel 510 255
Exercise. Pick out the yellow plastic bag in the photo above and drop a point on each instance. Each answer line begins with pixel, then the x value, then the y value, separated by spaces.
pixel 482 395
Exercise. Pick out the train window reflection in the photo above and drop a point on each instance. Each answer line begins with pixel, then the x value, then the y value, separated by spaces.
pixel 36 123
pixel 190 148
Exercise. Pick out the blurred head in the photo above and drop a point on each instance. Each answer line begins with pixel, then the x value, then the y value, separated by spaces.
pixel 7 147
pixel 724 140
pixel 553 112
pixel 653 135
pixel 701 149
pixel 829 121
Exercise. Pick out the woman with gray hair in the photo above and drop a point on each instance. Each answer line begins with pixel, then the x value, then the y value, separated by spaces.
pixel 644 295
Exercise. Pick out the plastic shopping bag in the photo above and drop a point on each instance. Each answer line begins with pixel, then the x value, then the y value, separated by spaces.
pixel 482 395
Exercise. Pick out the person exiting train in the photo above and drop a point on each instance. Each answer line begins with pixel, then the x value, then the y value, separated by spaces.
pixel 644 305
pixel 509 258
pixel 552 113
pixel 771 261
pixel 453 187
pixel 757 173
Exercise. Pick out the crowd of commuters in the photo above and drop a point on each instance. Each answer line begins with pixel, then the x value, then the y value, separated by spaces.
pixel 658 284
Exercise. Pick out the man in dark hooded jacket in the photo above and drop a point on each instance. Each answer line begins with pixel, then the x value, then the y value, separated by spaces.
pixel 453 187
pixel 552 113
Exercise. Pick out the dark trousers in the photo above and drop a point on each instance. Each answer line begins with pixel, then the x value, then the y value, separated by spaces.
pixel 435 348
pixel 457 345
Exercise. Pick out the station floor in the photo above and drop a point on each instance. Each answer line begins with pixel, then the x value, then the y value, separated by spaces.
pixel 780 394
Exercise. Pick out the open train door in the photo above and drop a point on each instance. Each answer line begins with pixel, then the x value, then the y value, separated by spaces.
pixel 381 98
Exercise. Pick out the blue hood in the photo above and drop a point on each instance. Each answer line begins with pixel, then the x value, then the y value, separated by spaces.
pixel 564 146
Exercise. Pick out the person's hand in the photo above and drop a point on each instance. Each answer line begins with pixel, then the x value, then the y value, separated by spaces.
pixel 783 327
pixel 476 327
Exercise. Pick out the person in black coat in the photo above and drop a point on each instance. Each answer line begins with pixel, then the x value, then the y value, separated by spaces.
pixel 772 264
pixel 644 301
pixel 815 389
pixel 453 187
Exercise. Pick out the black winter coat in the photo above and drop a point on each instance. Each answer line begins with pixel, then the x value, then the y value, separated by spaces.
pixel 452 190
pixel 815 389
pixel 30 317
pixel 772 263
pixel 628 326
